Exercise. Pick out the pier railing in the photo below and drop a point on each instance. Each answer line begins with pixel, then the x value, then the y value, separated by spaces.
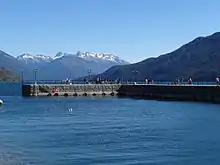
pixel 202 83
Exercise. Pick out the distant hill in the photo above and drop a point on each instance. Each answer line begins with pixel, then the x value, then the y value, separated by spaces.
pixel 198 59
pixel 6 75
pixel 11 63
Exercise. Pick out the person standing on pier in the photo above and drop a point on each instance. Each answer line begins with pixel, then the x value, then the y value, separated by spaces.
pixel 190 81
pixel 146 81
pixel 56 90
pixel 217 81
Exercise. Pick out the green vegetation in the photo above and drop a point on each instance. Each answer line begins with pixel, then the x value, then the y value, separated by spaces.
pixel 6 75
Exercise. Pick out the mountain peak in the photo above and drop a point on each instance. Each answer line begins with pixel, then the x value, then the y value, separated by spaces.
pixel 59 54
pixel 36 58
pixel 93 56
pixel 100 56
pixel 216 34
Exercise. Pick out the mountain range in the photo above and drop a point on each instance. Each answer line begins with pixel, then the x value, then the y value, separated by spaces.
pixel 60 66
pixel 198 59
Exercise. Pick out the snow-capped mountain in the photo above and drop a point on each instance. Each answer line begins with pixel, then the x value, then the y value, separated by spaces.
pixel 100 56
pixel 27 57
pixel 34 61
pixel 61 54
pixel 93 56
pixel 69 65
pixel 34 58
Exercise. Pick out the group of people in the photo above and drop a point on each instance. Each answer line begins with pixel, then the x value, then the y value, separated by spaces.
pixel 67 81
pixel 217 81
pixel 180 81
pixel 147 81
pixel 97 81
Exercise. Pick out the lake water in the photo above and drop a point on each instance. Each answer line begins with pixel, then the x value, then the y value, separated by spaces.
pixel 110 131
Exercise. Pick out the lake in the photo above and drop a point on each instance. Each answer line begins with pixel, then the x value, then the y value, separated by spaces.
pixel 111 131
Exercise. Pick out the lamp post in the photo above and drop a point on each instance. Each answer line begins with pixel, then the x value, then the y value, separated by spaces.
pixel 135 72
pixel 89 72
pixel 22 77
pixel 35 76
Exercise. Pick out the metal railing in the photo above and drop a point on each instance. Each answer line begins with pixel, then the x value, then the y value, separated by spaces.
pixel 115 82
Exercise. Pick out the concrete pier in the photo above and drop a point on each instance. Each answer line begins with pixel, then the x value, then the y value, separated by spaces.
pixel 206 93
pixel 70 90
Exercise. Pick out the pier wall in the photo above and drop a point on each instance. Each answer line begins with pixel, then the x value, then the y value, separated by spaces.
pixel 172 92
pixel 160 92
pixel 70 90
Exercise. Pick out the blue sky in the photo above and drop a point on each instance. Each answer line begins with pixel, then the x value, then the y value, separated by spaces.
pixel 132 29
